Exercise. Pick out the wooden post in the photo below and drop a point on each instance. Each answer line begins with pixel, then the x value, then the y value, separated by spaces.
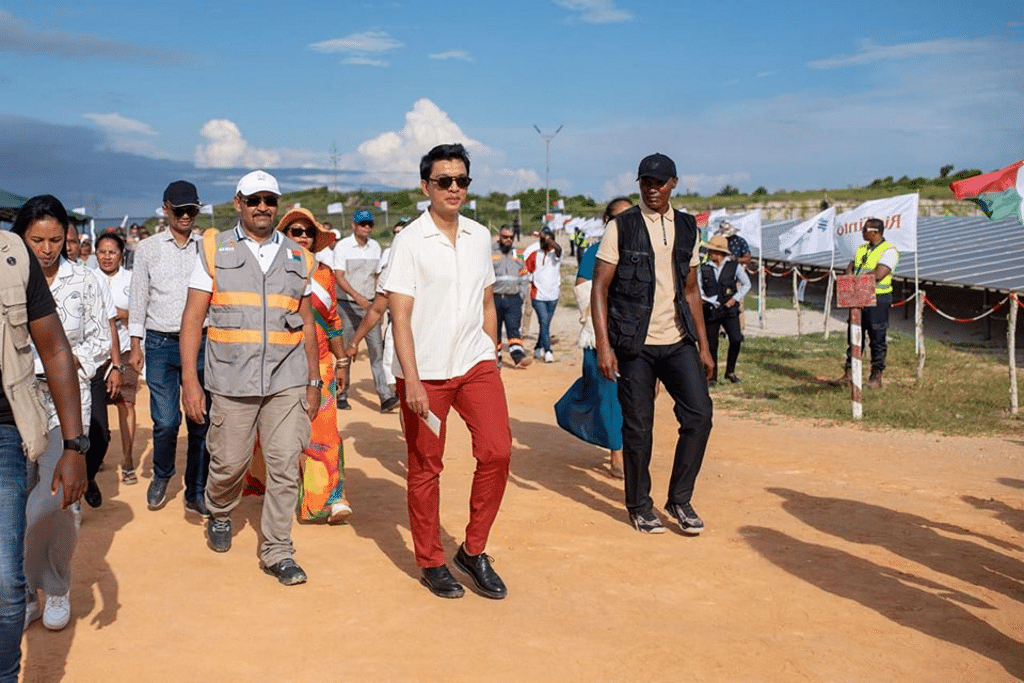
pixel 919 331
pixel 1011 343
pixel 856 369
pixel 796 300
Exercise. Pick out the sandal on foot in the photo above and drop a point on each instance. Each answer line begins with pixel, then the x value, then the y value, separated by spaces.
pixel 128 477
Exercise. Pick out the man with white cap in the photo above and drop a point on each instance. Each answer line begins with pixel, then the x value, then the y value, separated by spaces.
pixel 163 265
pixel 262 368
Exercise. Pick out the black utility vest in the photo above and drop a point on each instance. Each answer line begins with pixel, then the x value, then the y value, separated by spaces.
pixel 631 293
pixel 725 285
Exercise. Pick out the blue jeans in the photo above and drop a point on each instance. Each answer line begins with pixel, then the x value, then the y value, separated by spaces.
pixel 545 312
pixel 13 497
pixel 163 377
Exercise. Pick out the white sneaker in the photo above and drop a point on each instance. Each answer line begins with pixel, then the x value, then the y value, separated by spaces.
pixel 549 357
pixel 32 612
pixel 57 612
pixel 340 512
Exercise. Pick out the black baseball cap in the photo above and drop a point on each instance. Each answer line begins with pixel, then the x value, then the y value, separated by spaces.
pixel 657 166
pixel 182 193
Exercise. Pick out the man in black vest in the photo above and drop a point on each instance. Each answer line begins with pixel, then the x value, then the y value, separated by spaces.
pixel 723 284
pixel 646 309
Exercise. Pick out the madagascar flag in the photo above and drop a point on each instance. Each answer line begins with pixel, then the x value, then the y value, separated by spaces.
pixel 999 194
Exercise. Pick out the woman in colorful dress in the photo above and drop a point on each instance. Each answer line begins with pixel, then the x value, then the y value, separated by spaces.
pixel 50 532
pixel 322 465
pixel 110 253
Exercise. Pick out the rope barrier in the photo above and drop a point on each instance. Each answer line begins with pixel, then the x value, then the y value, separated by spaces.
pixel 968 320
pixel 905 301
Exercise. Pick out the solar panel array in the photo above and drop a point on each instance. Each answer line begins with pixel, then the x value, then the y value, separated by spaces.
pixel 970 251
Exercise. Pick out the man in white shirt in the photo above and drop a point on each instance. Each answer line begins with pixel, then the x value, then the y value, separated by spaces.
pixel 440 293
pixel 356 262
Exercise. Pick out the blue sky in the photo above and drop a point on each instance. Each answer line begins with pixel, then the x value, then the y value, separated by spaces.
pixel 107 102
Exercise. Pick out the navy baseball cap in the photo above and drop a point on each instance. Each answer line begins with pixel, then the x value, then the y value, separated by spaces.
pixel 362 216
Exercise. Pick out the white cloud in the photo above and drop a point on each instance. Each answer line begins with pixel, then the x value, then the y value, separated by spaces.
pixel 393 157
pixel 596 11
pixel 226 148
pixel 452 54
pixel 623 184
pixel 117 124
pixel 871 53
pixel 361 48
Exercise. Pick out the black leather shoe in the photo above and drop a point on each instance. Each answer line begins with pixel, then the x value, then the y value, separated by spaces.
pixel 479 568
pixel 441 582
pixel 286 572
pixel 92 495
pixel 218 534
pixel 156 496
pixel 198 506
pixel 733 378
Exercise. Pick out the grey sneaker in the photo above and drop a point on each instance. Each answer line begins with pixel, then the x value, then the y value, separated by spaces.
pixel 689 521
pixel 647 522
pixel 218 534
pixel 156 496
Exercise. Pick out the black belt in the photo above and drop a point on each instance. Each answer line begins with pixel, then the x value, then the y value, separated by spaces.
pixel 497 294
pixel 165 335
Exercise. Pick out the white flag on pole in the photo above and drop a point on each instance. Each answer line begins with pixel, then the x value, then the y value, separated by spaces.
pixel 124 221
pixel 512 205
pixel 381 204
pixel 899 215
pixel 336 208
pixel 472 204
pixel 813 236
pixel 423 206
pixel 748 225
pixel 206 209
pixel 81 210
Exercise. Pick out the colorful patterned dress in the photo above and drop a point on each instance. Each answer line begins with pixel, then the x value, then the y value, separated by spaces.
pixel 322 465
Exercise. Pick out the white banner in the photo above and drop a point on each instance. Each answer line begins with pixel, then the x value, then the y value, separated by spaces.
pixel 512 205
pixel 748 225
pixel 336 208
pixel 206 209
pixel 423 206
pixel 813 236
pixel 899 215
pixel 81 211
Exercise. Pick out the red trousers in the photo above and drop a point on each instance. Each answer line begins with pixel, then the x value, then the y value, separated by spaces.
pixel 479 399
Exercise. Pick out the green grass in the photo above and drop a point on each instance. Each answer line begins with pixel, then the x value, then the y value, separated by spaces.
pixel 961 393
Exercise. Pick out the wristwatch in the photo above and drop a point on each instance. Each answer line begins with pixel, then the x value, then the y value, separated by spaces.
pixel 80 443
pixel 318 383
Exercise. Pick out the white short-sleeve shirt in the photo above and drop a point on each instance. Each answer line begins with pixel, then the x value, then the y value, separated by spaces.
pixel 447 282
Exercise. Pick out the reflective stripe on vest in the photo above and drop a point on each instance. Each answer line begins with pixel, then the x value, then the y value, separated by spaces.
pixel 866 260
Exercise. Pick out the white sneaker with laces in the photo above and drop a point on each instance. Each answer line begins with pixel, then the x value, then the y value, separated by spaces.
pixel 32 612
pixel 57 612
pixel 549 357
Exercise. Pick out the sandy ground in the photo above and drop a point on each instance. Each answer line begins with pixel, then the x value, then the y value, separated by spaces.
pixel 831 554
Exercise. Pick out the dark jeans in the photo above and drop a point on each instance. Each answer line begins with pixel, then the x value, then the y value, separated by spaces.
pixel 163 377
pixel 732 331
pixel 13 498
pixel 99 427
pixel 680 371
pixel 874 324
pixel 509 310
pixel 545 312
pixel 351 317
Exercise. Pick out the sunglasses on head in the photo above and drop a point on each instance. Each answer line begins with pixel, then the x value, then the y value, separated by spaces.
pixel 180 211
pixel 445 181
pixel 254 200
pixel 299 231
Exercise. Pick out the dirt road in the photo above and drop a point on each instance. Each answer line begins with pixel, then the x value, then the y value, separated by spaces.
pixel 831 554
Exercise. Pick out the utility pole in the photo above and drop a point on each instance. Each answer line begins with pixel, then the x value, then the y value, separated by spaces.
pixel 547 166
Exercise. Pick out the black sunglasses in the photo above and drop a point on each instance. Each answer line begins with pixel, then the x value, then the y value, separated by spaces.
pixel 180 211
pixel 254 200
pixel 445 181
pixel 365 223
pixel 299 232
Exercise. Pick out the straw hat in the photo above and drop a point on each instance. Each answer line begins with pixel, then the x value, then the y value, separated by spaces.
pixel 718 243
pixel 324 238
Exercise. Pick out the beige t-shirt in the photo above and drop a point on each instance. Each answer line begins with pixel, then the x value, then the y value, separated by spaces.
pixel 665 327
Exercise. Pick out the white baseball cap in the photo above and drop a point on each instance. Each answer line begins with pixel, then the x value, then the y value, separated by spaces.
pixel 257 181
